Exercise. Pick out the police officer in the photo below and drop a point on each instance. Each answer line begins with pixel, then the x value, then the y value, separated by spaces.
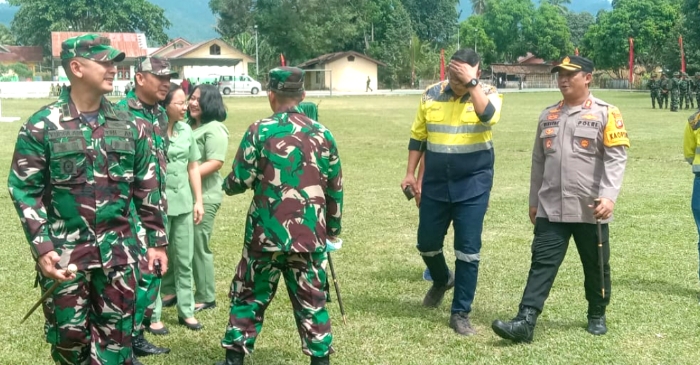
pixel 579 157
pixel 298 168
pixel 152 85
pixel 78 163
pixel 453 128
pixel 654 86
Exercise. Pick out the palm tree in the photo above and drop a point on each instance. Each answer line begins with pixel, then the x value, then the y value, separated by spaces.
pixel 479 6
pixel 6 37
pixel 560 4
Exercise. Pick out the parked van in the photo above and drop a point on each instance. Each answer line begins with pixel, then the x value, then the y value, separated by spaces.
pixel 238 84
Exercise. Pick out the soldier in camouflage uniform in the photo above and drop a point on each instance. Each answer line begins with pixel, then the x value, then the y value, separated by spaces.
pixel 665 86
pixel 291 163
pixel 655 87
pixel 684 88
pixel 152 82
pixel 675 91
pixel 79 164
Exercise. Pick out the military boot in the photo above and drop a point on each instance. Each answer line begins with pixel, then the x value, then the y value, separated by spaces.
pixel 596 321
pixel 519 329
pixel 320 360
pixel 434 296
pixel 232 358
pixel 141 347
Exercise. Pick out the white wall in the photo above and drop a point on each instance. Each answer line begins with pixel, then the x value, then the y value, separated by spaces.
pixel 193 72
pixel 40 89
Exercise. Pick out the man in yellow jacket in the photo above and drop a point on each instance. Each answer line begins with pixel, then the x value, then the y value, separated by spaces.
pixel 691 151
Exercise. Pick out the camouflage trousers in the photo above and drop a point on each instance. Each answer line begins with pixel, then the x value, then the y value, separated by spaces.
pixel 675 96
pixel 663 99
pixel 655 96
pixel 254 286
pixel 688 96
pixel 147 289
pixel 89 319
pixel 697 99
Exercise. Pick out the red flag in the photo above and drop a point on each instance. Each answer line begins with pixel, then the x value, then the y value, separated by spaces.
pixel 680 41
pixel 576 52
pixel 631 64
pixel 442 64
pixel 282 60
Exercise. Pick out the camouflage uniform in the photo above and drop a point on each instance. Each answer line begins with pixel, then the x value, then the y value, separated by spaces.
pixel 685 87
pixel 655 86
pixel 155 122
pixel 292 164
pixel 696 89
pixel 73 179
pixel 665 85
pixel 675 91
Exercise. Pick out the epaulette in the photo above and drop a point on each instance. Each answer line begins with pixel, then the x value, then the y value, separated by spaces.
pixel 601 103
pixel 557 105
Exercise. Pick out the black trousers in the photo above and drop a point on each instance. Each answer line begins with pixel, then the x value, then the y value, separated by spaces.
pixel 548 251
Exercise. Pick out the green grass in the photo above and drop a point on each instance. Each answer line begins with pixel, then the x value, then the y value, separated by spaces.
pixel 653 316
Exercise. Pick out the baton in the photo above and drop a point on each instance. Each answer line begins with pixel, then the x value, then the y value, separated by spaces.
pixel 337 287
pixel 600 251
pixel 71 269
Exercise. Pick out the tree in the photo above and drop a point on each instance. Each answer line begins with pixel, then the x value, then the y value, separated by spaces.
pixel 649 22
pixel 433 21
pixel 472 34
pixel 36 19
pixel 478 7
pixel 559 4
pixel 549 37
pixel 578 25
pixel 6 37
pixel 267 57
pixel 507 22
pixel 233 16
pixel 691 38
pixel 391 41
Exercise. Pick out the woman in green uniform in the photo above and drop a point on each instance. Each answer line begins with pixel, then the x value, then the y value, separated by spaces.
pixel 183 190
pixel 206 115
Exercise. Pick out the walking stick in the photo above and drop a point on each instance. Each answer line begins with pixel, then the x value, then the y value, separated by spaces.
pixel 600 251
pixel 72 269
pixel 337 287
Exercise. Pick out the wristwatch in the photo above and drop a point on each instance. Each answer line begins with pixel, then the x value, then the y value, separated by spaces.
pixel 472 83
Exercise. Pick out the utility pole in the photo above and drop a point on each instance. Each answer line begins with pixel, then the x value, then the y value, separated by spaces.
pixel 257 70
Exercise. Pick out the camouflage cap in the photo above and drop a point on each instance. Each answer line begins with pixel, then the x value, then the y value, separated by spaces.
pixel 676 73
pixel 92 47
pixel 286 80
pixel 155 65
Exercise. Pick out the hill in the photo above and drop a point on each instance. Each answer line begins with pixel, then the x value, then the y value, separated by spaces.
pixel 194 22
pixel 591 6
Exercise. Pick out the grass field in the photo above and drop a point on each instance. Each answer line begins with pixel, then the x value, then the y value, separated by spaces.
pixel 653 318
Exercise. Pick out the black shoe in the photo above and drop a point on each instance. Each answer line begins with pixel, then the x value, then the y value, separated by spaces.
pixel 194 327
pixel 435 294
pixel 232 358
pixel 161 332
pixel 596 326
pixel 170 302
pixel 519 329
pixel 206 305
pixel 320 360
pixel 460 323
pixel 142 347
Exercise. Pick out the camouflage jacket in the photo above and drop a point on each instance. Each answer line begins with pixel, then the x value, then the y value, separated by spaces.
pixel 291 163
pixel 684 85
pixel 73 183
pixel 653 85
pixel 156 127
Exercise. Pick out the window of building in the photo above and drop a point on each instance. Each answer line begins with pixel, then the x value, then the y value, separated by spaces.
pixel 123 73
pixel 215 50
pixel 351 58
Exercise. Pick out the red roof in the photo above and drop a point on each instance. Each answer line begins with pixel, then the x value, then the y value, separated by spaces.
pixel 22 54
pixel 125 42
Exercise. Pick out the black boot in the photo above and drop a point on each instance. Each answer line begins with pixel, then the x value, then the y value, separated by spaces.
pixel 519 329
pixel 434 296
pixel 232 358
pixel 596 321
pixel 142 347
pixel 320 360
